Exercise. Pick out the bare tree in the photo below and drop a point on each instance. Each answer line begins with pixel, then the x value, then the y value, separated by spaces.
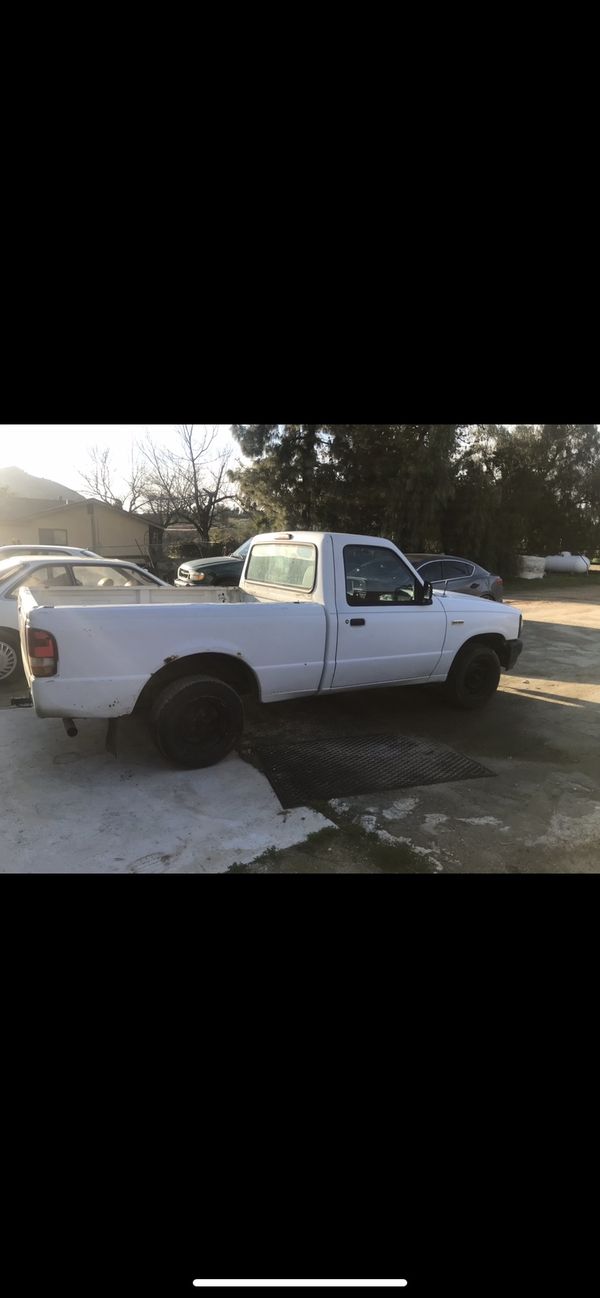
pixel 99 480
pixel 189 484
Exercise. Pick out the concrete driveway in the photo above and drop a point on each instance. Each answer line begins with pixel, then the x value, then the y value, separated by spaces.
pixel 72 807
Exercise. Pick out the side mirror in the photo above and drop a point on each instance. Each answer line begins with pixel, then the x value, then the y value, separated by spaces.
pixel 426 593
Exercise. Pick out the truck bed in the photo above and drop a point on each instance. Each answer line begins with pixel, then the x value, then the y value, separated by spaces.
pixel 61 596
pixel 111 642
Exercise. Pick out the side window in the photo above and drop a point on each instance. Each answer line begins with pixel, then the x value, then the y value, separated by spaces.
pixel 454 569
pixel 95 575
pixel 42 579
pixel 376 576
pixel 431 572
pixel 52 574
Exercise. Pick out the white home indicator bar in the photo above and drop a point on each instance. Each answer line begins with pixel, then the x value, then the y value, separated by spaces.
pixel 300 1284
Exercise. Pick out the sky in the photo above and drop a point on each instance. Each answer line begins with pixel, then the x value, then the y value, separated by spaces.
pixel 60 451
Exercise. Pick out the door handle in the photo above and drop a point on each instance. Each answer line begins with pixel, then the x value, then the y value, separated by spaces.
pixel 474 585
pixel 357 621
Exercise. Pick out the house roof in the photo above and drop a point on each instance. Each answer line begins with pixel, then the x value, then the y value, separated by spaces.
pixel 16 507
pixel 13 509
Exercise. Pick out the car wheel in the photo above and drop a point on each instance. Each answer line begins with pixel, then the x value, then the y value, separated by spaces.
pixel 473 677
pixel 196 721
pixel 10 655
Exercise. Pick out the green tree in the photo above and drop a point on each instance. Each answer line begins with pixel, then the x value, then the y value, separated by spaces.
pixel 527 489
pixel 489 491
pixel 287 477
pixel 378 479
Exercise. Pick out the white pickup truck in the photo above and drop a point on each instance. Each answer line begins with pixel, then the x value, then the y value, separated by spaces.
pixel 316 613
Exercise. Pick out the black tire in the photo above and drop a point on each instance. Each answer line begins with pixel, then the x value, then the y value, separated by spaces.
pixel 473 677
pixel 10 656
pixel 196 721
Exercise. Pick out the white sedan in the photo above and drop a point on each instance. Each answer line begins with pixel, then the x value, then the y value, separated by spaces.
pixel 18 551
pixel 39 572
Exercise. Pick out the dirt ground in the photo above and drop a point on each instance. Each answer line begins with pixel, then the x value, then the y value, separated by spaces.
pixel 538 813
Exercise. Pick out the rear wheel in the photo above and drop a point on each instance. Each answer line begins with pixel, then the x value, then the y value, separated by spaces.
pixel 196 721
pixel 10 655
pixel 473 677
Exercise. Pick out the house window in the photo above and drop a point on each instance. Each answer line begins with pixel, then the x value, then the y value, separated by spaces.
pixel 52 536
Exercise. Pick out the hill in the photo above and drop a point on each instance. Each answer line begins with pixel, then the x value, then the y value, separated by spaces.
pixel 26 485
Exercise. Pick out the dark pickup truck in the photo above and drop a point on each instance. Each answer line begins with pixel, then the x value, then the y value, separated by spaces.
pixel 225 571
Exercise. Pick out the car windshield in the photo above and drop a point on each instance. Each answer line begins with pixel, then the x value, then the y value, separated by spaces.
pixel 8 567
pixel 241 551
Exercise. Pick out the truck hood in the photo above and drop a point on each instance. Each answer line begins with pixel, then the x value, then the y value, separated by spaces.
pixel 501 614
pixel 198 565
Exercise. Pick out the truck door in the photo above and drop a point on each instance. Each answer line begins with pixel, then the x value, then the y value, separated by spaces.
pixel 384 635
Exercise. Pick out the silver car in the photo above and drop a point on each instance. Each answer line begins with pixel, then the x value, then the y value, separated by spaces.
pixel 446 572
pixel 45 572
pixel 15 551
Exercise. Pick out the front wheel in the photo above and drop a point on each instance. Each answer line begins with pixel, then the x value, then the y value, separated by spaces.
pixel 196 721
pixel 474 677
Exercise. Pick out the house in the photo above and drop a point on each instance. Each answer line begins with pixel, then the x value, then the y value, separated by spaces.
pixel 91 524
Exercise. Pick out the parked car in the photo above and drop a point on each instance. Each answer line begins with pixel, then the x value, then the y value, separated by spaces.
pixel 40 573
pixel 10 551
pixel 224 571
pixel 445 572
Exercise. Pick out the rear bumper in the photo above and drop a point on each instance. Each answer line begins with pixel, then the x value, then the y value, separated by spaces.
pixel 513 650
pixel 55 697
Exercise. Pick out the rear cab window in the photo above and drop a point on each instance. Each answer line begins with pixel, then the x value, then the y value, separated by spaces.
pixel 283 564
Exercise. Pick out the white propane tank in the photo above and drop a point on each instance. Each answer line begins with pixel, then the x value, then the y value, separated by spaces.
pixel 531 566
pixel 567 562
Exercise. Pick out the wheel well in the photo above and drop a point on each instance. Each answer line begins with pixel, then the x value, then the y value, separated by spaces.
pixel 10 632
pixel 222 666
pixel 494 641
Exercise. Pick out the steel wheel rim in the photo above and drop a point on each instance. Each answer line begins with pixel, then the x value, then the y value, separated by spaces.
pixel 204 722
pixel 8 660
pixel 200 726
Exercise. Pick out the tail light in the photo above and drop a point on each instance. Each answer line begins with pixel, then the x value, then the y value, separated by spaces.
pixel 42 651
